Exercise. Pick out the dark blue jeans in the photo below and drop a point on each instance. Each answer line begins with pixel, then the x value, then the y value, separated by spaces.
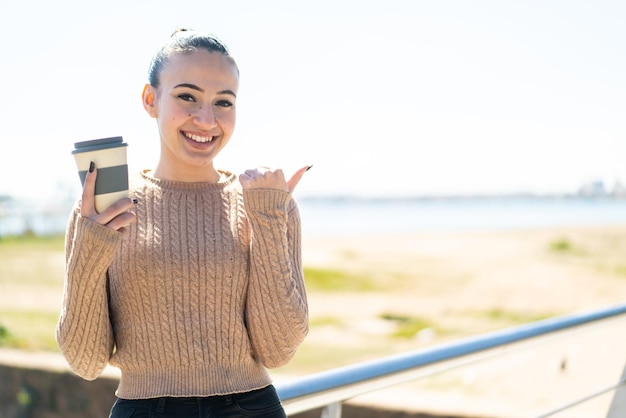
pixel 257 403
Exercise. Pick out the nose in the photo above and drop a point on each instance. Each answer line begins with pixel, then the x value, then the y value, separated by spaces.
pixel 205 118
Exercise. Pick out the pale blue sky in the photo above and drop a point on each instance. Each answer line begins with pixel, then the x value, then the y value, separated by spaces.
pixel 384 98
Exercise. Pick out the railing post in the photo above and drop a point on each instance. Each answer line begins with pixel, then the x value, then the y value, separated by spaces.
pixel 332 410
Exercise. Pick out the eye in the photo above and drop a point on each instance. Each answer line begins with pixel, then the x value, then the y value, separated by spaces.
pixel 224 103
pixel 186 97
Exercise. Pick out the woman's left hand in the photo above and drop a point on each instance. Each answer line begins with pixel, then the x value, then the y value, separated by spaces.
pixel 267 178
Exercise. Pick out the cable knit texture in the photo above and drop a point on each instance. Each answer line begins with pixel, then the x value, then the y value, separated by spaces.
pixel 197 298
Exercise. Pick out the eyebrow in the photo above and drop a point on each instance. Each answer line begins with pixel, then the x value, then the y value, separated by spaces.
pixel 194 87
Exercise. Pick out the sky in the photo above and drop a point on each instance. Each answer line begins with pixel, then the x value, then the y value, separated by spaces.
pixel 393 98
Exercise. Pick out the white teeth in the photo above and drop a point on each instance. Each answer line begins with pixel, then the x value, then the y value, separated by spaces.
pixel 199 138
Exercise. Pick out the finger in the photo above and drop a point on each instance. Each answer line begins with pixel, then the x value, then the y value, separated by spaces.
pixel 251 172
pixel 88 198
pixel 244 180
pixel 295 179
pixel 116 209
pixel 122 221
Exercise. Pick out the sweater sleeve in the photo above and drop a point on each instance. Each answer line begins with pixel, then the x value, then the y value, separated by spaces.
pixel 84 332
pixel 276 307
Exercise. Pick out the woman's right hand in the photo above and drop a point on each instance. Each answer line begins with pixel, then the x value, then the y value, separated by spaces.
pixel 117 216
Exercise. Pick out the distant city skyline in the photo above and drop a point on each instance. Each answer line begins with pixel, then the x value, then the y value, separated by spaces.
pixel 396 99
pixel 67 193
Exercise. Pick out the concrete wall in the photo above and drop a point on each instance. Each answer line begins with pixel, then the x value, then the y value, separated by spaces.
pixel 40 393
pixel 37 393
pixel 40 385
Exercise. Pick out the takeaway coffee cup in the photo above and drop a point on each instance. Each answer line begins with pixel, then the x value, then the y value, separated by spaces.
pixel 109 156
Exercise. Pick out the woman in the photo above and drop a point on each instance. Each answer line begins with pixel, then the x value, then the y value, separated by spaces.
pixel 199 288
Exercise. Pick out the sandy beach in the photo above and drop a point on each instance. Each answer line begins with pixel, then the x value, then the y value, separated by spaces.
pixel 391 294
pixel 464 284
pixel 533 273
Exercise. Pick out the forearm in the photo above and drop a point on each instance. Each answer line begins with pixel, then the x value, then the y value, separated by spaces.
pixel 84 331
pixel 277 312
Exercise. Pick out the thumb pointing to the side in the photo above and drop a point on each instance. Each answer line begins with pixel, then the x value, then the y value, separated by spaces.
pixel 295 179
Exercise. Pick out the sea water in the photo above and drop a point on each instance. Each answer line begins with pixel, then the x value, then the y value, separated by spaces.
pixel 355 216
pixel 381 216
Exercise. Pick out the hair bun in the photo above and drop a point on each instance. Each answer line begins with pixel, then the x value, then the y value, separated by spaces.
pixel 179 30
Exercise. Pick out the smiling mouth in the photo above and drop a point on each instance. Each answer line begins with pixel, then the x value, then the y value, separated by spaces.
pixel 199 138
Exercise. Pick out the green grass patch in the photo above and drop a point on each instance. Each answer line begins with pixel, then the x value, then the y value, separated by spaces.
pixel 29 330
pixel 30 265
pixel 407 326
pixel 317 357
pixel 30 242
pixel 32 261
pixel 565 246
pixel 5 335
pixel 620 270
pixel 561 245
pixel 328 280
pixel 513 317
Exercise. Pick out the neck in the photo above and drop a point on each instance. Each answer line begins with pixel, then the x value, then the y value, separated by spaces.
pixel 204 174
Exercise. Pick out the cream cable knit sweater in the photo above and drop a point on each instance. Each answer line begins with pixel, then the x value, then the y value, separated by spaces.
pixel 197 298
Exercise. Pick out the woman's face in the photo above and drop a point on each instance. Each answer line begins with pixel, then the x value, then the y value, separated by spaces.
pixel 195 111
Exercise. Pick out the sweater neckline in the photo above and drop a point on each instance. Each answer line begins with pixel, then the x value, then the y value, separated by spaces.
pixel 226 179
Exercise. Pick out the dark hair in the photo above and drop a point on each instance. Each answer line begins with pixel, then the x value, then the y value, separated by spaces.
pixel 184 41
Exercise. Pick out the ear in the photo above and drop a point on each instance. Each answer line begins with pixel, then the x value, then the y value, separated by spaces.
pixel 148 97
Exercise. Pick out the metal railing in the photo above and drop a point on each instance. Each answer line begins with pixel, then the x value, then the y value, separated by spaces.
pixel 329 389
